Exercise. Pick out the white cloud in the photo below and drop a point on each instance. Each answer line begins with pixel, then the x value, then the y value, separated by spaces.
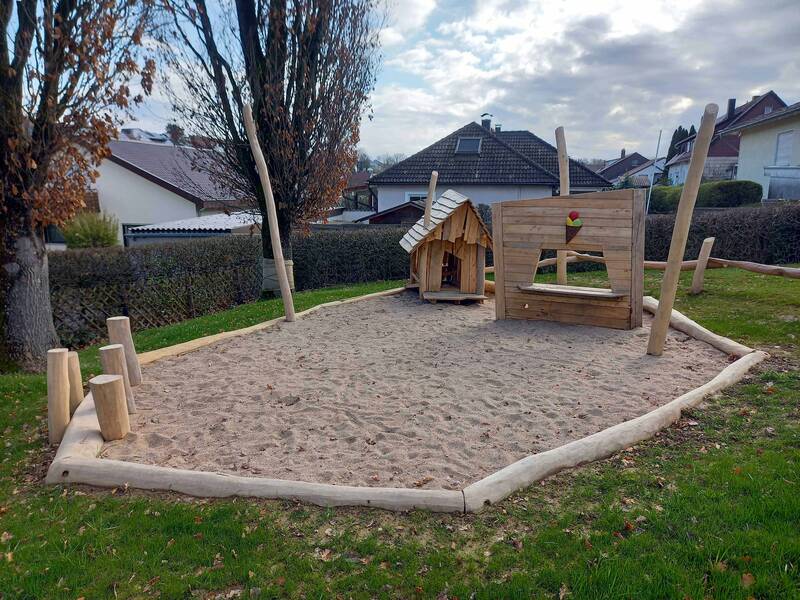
pixel 612 73
pixel 404 17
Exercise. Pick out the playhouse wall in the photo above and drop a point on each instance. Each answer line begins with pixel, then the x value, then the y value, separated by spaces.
pixel 613 223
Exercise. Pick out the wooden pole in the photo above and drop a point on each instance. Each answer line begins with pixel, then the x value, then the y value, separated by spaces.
pixel 119 332
pixel 57 394
pixel 680 232
pixel 430 197
pixel 112 359
pixel 75 381
pixel 563 177
pixel 700 270
pixel 108 392
pixel 272 215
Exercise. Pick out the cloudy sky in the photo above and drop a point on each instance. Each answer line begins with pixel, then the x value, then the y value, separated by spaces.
pixel 612 73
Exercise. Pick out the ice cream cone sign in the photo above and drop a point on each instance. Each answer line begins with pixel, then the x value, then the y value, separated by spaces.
pixel 574 224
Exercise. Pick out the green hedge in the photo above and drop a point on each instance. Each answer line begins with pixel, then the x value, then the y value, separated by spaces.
pixel 714 194
pixel 769 235
pixel 338 256
pixel 155 284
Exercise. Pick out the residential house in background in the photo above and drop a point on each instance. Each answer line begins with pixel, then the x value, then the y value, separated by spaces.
pixel 643 175
pixel 407 213
pixel 144 182
pixel 723 154
pixel 769 152
pixel 483 163
pixel 616 167
pixel 357 200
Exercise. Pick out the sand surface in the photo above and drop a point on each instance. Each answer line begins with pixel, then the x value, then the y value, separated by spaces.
pixel 397 392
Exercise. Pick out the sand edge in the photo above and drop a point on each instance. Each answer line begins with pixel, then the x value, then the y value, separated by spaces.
pixel 76 459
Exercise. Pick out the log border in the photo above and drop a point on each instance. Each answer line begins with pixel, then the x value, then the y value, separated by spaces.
pixel 77 458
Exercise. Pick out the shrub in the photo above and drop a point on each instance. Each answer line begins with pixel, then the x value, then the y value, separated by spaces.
pixel 664 199
pixel 769 235
pixel 714 194
pixel 155 284
pixel 729 194
pixel 91 230
pixel 338 256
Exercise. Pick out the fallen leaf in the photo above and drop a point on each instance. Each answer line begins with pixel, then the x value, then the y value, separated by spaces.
pixel 720 566
pixel 748 580
pixel 5 537
pixel 425 480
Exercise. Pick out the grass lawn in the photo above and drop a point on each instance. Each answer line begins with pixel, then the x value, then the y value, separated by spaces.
pixel 708 509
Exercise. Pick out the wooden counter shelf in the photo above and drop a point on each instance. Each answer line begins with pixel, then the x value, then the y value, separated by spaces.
pixel 572 291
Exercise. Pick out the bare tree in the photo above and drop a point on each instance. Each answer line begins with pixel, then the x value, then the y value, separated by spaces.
pixel 307 66
pixel 68 72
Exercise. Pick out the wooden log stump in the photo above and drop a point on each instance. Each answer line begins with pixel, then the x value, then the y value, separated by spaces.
pixel 75 381
pixel 112 358
pixel 702 262
pixel 108 392
pixel 57 394
pixel 119 332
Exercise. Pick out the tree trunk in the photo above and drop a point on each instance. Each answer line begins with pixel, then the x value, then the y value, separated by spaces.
pixel 28 330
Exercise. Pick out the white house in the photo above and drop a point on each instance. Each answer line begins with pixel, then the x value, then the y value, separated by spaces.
pixel 486 165
pixel 769 152
pixel 644 174
pixel 723 153
pixel 145 182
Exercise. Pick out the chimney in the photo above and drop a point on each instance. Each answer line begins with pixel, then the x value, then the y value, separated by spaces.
pixel 497 128
pixel 731 107
pixel 486 121
pixel 622 154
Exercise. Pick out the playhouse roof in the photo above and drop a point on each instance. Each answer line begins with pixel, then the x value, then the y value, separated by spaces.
pixel 442 208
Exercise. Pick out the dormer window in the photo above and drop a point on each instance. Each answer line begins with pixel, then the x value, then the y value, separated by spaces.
pixel 468 145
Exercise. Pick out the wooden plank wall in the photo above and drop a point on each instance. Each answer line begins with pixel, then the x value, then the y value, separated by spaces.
pixel 462 235
pixel 613 223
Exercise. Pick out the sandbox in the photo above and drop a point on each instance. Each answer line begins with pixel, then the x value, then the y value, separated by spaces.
pixel 397 403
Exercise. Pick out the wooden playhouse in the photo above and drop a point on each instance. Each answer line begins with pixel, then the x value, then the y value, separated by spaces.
pixel 448 250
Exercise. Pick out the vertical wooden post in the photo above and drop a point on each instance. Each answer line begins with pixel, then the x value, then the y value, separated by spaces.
pixel 108 392
pixel 497 252
pixel 112 359
pixel 119 332
pixel 57 394
pixel 680 232
pixel 563 177
pixel 75 381
pixel 700 269
pixel 480 270
pixel 429 199
pixel 272 215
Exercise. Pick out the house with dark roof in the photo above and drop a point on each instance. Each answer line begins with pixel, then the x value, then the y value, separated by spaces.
pixel 485 164
pixel 619 166
pixel 150 181
pixel 723 154
pixel 769 152
pixel 642 174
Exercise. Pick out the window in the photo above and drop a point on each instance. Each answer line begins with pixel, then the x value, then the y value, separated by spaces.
pixel 468 145
pixel 783 149
pixel 416 196
pixel 767 110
